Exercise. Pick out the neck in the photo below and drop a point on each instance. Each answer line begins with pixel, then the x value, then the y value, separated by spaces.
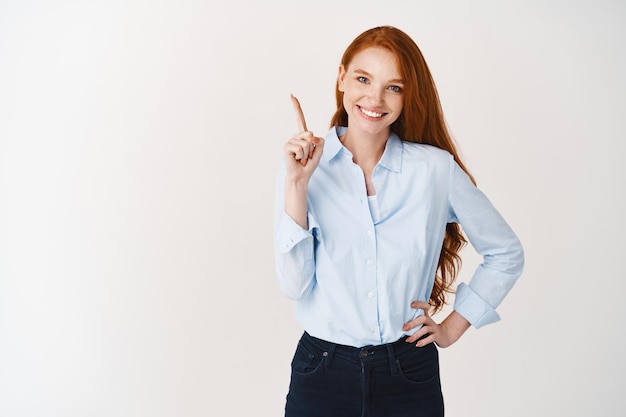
pixel 366 149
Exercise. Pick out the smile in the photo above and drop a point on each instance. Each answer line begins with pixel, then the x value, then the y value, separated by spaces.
pixel 370 113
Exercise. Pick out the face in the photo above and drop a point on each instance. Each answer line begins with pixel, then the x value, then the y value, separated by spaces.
pixel 373 90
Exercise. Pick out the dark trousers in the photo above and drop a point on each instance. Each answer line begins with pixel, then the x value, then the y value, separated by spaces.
pixel 391 380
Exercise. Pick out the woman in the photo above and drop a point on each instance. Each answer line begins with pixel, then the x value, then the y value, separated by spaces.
pixel 369 224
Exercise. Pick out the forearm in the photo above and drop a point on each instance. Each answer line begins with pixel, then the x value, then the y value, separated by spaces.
pixel 296 201
pixel 294 251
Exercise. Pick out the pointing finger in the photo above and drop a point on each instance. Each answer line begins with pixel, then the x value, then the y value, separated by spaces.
pixel 299 114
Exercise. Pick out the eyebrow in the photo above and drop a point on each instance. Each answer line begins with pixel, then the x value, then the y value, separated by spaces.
pixel 363 72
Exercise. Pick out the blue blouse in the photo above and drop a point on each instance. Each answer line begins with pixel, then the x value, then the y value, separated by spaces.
pixel 354 277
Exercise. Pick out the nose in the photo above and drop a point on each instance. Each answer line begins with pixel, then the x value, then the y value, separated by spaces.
pixel 376 95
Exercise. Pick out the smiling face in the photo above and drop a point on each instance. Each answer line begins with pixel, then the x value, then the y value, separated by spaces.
pixel 372 91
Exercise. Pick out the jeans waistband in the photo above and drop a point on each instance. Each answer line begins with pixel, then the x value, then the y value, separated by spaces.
pixel 376 354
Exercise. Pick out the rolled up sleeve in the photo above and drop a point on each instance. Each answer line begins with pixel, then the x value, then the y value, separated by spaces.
pixel 492 238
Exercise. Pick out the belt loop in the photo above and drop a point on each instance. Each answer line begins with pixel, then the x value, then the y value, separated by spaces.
pixel 392 359
pixel 329 354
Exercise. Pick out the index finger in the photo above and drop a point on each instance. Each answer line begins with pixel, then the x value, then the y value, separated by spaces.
pixel 299 115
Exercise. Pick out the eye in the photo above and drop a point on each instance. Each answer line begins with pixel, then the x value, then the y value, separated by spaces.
pixel 395 88
pixel 363 80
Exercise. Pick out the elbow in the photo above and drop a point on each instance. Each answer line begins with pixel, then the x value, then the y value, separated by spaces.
pixel 516 260
pixel 295 277
pixel 509 261
pixel 521 259
pixel 292 290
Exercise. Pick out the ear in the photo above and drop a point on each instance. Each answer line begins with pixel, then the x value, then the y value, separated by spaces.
pixel 341 77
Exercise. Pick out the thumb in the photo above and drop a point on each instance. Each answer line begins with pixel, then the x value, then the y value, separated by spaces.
pixel 319 147
pixel 421 305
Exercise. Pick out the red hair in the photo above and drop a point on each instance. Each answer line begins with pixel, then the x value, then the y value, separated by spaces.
pixel 421 121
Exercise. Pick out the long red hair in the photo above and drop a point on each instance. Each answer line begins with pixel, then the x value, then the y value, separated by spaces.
pixel 421 121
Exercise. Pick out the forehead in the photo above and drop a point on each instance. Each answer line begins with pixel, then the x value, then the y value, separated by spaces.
pixel 377 61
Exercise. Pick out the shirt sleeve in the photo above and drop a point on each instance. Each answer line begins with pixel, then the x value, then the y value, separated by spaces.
pixel 293 248
pixel 494 240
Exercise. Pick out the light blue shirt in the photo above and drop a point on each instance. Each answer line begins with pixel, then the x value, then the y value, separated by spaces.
pixel 354 277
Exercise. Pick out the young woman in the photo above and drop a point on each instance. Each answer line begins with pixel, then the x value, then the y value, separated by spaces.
pixel 369 224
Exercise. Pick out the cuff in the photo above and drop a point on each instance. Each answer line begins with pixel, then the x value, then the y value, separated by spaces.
pixel 290 233
pixel 471 306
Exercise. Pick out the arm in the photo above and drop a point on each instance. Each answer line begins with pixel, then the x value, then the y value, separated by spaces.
pixel 302 155
pixel 491 236
pixel 293 240
pixel 503 262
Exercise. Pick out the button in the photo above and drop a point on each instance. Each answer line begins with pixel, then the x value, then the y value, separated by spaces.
pixel 369 232
pixel 370 262
pixel 363 353
pixel 370 294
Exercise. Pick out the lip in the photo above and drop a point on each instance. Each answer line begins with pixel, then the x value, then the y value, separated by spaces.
pixel 371 116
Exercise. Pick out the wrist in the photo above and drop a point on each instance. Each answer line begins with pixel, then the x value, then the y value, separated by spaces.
pixel 455 325
pixel 296 183
pixel 296 201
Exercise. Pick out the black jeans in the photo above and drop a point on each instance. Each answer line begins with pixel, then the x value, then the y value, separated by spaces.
pixel 391 380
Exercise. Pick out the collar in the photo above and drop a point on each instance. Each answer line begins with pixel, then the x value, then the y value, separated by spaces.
pixel 391 159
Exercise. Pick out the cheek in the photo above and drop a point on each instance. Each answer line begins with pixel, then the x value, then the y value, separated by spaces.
pixel 397 104
pixel 346 101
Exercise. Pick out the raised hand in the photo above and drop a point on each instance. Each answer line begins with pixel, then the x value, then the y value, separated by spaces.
pixel 302 156
pixel 304 150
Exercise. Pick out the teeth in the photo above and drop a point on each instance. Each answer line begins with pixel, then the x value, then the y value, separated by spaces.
pixel 371 113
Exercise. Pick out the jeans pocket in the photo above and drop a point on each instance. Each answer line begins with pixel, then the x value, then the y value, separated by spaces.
pixel 307 359
pixel 420 365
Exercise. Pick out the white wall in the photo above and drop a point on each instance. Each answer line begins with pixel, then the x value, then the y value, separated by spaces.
pixel 138 147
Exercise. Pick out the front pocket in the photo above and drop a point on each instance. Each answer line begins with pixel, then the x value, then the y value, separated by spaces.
pixel 419 366
pixel 305 361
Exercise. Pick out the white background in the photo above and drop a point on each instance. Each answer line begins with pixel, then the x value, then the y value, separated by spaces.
pixel 139 142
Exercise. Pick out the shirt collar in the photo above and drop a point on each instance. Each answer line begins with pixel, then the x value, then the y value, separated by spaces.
pixel 332 144
pixel 391 159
